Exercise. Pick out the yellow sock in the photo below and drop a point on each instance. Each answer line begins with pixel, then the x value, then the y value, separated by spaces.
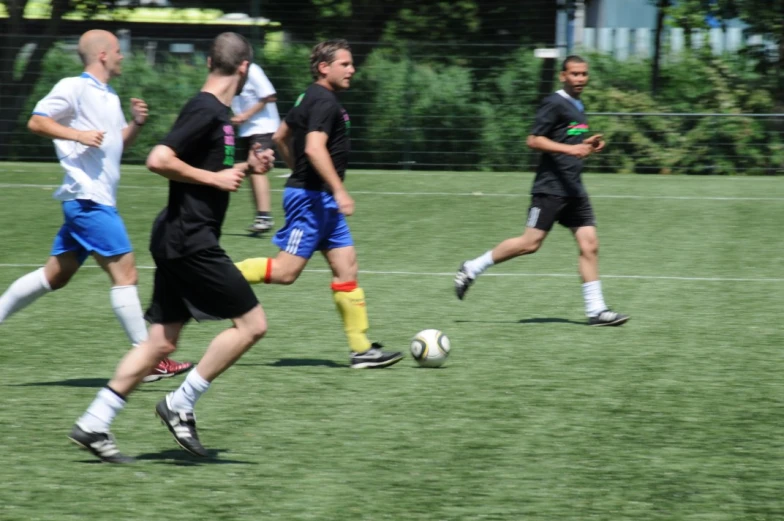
pixel 256 270
pixel 350 301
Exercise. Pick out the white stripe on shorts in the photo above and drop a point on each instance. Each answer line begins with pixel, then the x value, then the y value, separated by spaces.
pixel 533 216
pixel 294 240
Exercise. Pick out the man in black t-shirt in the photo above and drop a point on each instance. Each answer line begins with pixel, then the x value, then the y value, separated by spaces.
pixel 558 194
pixel 194 278
pixel 314 142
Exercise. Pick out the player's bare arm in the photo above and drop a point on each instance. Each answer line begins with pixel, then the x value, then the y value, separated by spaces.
pixel 242 117
pixel 544 144
pixel 318 154
pixel 282 139
pixel 49 128
pixel 164 161
pixel 139 113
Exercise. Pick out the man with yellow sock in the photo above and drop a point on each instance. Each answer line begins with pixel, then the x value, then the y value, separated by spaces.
pixel 314 142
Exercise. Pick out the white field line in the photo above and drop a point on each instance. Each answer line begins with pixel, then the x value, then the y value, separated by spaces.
pixel 454 194
pixel 282 172
pixel 513 275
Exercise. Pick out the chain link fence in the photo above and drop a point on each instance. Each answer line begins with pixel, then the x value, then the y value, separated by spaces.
pixel 414 105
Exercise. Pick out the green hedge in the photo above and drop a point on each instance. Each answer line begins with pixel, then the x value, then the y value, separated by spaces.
pixel 473 113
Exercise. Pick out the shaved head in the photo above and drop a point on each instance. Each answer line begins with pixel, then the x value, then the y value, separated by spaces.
pixel 227 53
pixel 94 42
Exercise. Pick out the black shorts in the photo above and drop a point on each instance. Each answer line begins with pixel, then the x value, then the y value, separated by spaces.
pixel 205 285
pixel 572 212
pixel 245 143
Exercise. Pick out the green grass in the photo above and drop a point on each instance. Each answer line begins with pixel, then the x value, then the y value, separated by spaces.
pixel 676 416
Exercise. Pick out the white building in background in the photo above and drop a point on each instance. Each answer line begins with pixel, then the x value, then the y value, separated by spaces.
pixel 626 29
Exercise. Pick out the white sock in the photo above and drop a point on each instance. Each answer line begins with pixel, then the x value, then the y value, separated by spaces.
pixel 23 292
pixel 476 267
pixel 101 413
pixel 594 301
pixel 184 398
pixel 126 305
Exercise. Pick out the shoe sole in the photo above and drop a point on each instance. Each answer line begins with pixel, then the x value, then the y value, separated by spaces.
pixel 460 291
pixel 155 377
pixel 376 365
pixel 618 322
pixel 183 447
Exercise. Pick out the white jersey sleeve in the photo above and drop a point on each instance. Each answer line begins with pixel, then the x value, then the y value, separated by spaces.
pixel 60 103
pixel 264 87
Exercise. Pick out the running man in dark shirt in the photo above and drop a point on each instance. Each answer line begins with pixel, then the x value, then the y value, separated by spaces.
pixel 314 142
pixel 558 194
pixel 194 278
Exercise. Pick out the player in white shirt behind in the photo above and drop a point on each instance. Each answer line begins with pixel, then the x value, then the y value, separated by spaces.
pixel 256 113
pixel 84 117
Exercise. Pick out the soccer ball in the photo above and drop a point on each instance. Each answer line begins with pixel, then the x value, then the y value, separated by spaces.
pixel 430 348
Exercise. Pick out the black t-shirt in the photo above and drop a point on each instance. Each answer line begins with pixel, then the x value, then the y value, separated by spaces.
pixel 561 121
pixel 318 110
pixel 202 137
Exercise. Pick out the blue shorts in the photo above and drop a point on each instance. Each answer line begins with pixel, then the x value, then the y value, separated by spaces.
pixel 90 227
pixel 313 223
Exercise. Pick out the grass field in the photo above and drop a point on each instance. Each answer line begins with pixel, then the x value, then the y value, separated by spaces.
pixel 676 416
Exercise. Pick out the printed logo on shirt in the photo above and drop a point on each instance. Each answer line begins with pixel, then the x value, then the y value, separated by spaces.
pixel 228 145
pixel 576 129
pixel 346 120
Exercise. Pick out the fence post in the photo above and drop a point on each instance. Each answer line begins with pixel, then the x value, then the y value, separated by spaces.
pixel 407 130
pixel 255 14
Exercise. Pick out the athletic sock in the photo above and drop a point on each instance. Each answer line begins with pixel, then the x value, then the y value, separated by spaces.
pixel 594 301
pixel 477 266
pixel 23 292
pixel 256 270
pixel 184 398
pixel 101 413
pixel 350 301
pixel 128 309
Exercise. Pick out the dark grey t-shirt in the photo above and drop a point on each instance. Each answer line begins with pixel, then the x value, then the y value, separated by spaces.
pixel 559 119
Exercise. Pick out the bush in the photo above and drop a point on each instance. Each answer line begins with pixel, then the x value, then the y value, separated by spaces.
pixel 432 110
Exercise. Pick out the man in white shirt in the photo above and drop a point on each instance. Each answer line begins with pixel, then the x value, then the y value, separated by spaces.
pixel 257 115
pixel 84 117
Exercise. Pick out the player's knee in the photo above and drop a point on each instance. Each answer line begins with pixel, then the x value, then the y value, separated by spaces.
pixel 289 277
pixel 589 248
pixel 162 346
pixel 533 245
pixel 528 245
pixel 255 330
pixel 129 277
pixel 58 281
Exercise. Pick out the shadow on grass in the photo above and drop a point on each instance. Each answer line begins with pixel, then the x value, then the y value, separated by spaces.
pixel 542 320
pixel 72 382
pixel 181 458
pixel 251 235
pixel 305 362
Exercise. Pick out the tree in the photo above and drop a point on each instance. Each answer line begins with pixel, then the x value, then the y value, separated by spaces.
pixel 661 10
pixel 17 75
pixel 765 18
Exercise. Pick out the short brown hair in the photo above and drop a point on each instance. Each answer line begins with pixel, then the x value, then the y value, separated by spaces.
pixel 325 52
pixel 227 53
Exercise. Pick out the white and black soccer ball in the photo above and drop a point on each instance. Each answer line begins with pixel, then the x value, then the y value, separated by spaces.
pixel 430 348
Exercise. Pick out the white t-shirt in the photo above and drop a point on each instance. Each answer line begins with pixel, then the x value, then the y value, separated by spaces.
pixel 258 87
pixel 84 103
